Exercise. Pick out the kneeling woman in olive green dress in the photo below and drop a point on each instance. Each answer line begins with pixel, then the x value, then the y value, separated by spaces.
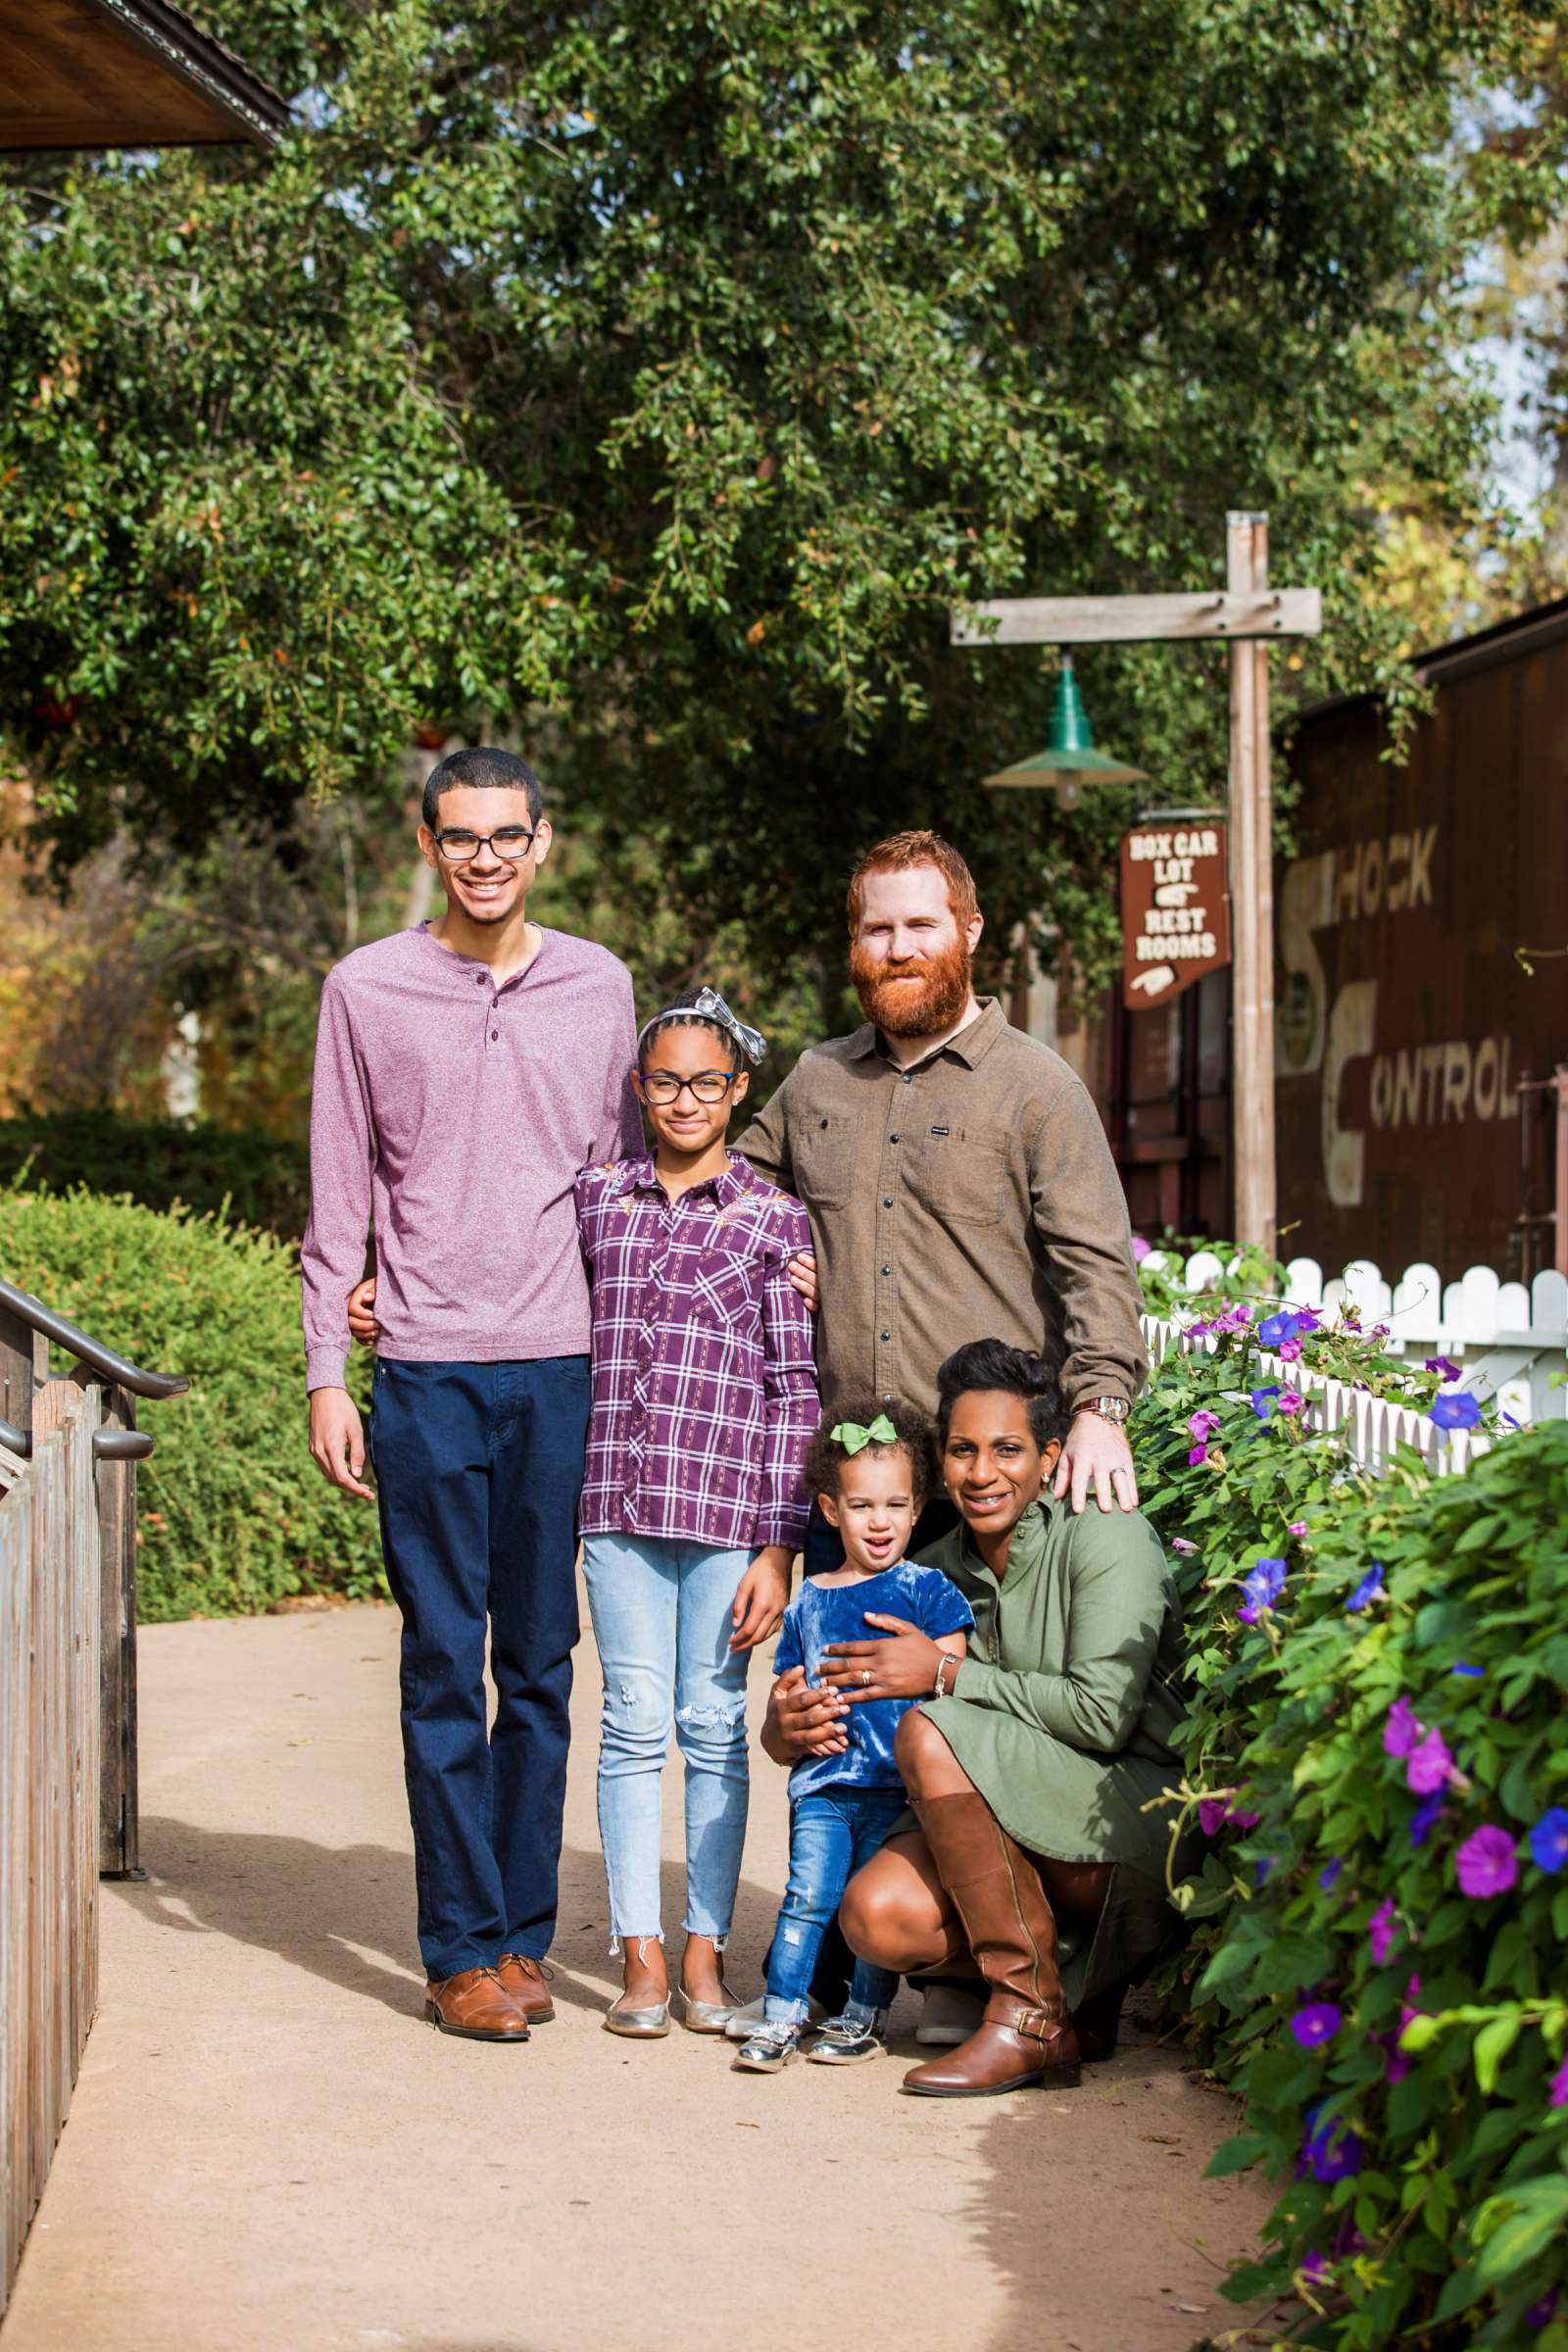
pixel 1030 1769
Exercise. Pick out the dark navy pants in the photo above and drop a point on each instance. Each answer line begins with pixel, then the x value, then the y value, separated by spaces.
pixel 478 1471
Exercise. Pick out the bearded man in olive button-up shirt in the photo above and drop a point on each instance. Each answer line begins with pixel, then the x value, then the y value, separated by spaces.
pixel 957 1175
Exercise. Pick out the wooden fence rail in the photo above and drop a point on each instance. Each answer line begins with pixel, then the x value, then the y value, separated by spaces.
pixel 50 1659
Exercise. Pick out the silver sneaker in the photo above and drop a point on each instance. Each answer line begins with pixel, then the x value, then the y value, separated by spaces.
pixel 744 2023
pixel 772 2047
pixel 850 2040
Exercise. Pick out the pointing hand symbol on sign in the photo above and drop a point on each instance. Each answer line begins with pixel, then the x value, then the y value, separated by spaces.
pixel 1161 975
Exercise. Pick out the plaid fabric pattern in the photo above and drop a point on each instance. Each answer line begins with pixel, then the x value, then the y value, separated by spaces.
pixel 704 1384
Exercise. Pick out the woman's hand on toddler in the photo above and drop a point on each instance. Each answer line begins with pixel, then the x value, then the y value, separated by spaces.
pixel 803 1721
pixel 903 1665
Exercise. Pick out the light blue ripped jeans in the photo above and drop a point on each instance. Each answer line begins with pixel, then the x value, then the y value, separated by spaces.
pixel 662 1619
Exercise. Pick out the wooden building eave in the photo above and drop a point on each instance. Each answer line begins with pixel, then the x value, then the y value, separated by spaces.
pixel 99 73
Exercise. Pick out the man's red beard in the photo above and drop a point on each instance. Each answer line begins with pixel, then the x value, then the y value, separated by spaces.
pixel 917 997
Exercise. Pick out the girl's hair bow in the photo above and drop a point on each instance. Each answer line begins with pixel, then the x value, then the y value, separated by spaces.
pixel 852 1436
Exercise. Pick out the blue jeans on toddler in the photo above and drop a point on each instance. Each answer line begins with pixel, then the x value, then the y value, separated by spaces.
pixel 661 1615
pixel 832 1833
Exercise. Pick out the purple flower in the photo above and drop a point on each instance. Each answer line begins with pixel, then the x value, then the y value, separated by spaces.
pixel 1291 1403
pixel 1468 1673
pixel 1548 1840
pixel 1540 2314
pixel 1328 2151
pixel 1401 1734
pixel 1314 2267
pixel 1235 1318
pixel 1290 1352
pixel 1558 2088
pixel 1486 1863
pixel 1381 1930
pixel 1460 1411
pixel 1140 1249
pixel 1212 1814
pixel 1328 1875
pixel 1316 2024
pixel 1261 1587
pixel 1443 1367
pixel 1198 1331
pixel 1244 1821
pixel 1202 1425
pixel 1298 1527
pixel 1307 1318
pixel 1261 1870
pixel 1181 1545
pixel 1398 2062
pixel 1196 1454
pixel 1366 1592
pixel 1260 1401
pixel 1275 1328
pixel 1428 1766
pixel 1425 1814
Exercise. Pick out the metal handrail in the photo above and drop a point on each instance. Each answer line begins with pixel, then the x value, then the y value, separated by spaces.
pixel 107 1445
pixel 88 1350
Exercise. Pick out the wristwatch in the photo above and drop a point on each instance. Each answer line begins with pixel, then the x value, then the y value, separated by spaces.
pixel 1115 1410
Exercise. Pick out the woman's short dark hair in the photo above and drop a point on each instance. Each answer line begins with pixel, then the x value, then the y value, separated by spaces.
pixel 827 1455
pixel 1009 1372
pixel 682 1014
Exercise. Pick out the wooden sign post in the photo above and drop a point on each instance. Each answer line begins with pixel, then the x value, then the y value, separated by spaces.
pixel 1249 614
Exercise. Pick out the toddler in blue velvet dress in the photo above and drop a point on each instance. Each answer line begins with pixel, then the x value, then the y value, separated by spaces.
pixel 871 1479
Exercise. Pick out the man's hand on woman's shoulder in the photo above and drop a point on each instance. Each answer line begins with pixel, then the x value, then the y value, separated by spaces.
pixel 1096 1455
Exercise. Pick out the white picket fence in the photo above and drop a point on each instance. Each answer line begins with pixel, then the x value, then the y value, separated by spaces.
pixel 1371 1426
pixel 1507 1339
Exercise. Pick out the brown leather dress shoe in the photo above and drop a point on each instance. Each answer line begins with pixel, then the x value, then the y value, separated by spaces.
pixel 1026 2034
pixel 476 2005
pixel 528 1983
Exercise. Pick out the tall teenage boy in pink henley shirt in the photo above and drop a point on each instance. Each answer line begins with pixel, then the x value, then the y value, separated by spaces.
pixel 464 1072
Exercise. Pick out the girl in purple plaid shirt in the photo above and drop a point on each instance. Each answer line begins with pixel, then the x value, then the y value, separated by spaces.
pixel 703 1404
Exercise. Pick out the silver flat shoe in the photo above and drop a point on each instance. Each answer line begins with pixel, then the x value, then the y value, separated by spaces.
pixel 705 2017
pixel 743 2022
pixel 651 2024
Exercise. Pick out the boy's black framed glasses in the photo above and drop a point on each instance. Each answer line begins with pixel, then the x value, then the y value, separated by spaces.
pixel 459 845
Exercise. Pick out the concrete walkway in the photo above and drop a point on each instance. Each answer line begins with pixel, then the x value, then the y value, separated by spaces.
pixel 269 2153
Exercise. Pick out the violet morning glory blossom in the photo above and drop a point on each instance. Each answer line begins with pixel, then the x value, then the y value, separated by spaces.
pixel 1275 1328
pixel 1261 1586
pixel 1262 1869
pixel 1314 2267
pixel 1196 1454
pixel 1458 1411
pixel 1244 1821
pixel 1298 1527
pixel 1396 2064
pixel 1140 1249
pixel 1290 1352
pixel 1262 1405
pixel 1442 1366
pixel 1381 1930
pixel 1540 2313
pixel 1328 2151
pixel 1558 2088
pixel 1401 1734
pixel 1292 1403
pixel 1366 1592
pixel 1486 1863
pixel 1467 1672
pixel 1548 1840
pixel 1213 1815
pixel 1428 1766
pixel 1202 1425
pixel 1425 1814
pixel 1181 1545
pixel 1328 1875
pixel 1316 2024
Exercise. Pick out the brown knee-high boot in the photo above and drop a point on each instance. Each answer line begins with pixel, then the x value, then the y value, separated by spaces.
pixel 1027 2034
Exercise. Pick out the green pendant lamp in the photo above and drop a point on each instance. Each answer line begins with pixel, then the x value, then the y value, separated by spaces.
pixel 1069 760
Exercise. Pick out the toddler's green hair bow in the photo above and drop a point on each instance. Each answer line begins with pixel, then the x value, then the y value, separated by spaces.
pixel 852 1436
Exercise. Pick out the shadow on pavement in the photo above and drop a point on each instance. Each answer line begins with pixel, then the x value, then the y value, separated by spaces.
pixel 328 1909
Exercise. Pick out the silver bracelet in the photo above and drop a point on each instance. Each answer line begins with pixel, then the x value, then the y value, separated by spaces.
pixel 946 1660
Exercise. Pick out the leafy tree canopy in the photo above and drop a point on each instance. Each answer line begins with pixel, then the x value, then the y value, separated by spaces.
pixel 649 380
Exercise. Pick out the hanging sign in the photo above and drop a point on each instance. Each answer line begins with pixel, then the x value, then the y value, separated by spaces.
pixel 1175 915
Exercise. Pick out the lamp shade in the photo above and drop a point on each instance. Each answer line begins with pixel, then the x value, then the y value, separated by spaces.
pixel 1069 759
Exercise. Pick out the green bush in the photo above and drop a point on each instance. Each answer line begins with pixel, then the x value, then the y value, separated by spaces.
pixel 253 1178
pixel 234 1514
pixel 1378 1745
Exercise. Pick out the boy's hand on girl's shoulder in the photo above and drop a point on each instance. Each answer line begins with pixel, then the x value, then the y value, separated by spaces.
pixel 802 1272
pixel 762 1597
pixel 361 1318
